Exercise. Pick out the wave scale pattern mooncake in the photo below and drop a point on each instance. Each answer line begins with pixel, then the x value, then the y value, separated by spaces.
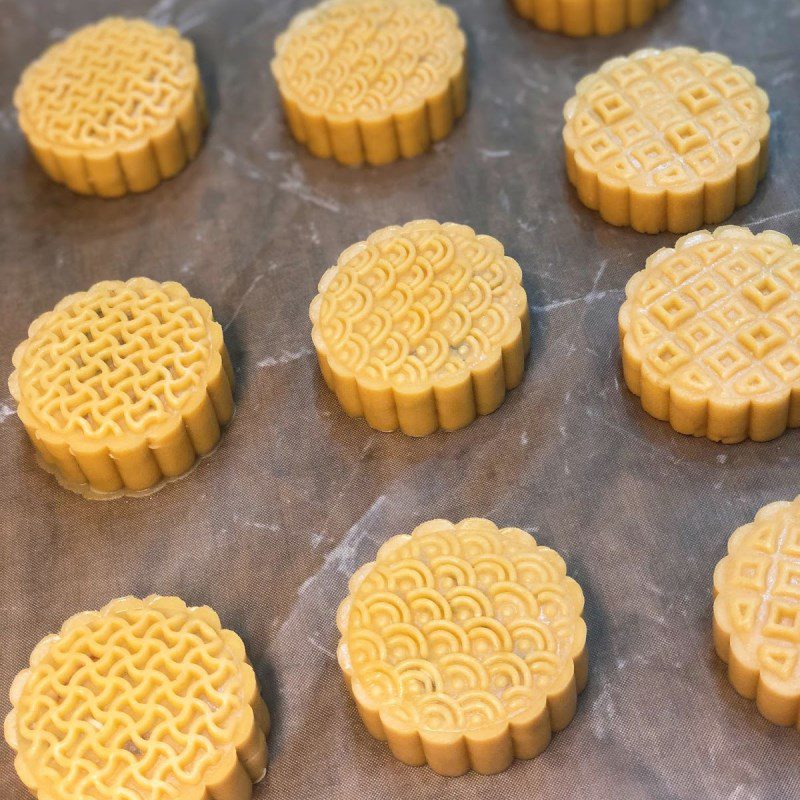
pixel 757 611
pixel 710 334
pixel 464 646
pixel 142 700
pixel 372 80
pixel 667 139
pixel 117 107
pixel 123 385
pixel 588 17
pixel 421 327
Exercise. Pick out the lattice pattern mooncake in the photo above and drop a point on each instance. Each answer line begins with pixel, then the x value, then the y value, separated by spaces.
pixel 421 327
pixel 372 80
pixel 142 700
pixel 464 646
pixel 588 17
pixel 124 385
pixel 667 139
pixel 710 334
pixel 757 611
pixel 116 107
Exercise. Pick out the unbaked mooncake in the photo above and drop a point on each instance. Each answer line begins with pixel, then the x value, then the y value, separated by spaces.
pixel 142 700
pixel 372 80
pixel 588 17
pixel 464 646
pixel 116 107
pixel 123 386
pixel 422 326
pixel 757 611
pixel 667 139
pixel 710 334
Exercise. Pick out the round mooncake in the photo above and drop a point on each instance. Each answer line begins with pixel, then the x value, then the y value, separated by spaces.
pixel 372 80
pixel 667 140
pixel 710 333
pixel 143 700
pixel 464 645
pixel 422 326
pixel 757 611
pixel 123 386
pixel 116 107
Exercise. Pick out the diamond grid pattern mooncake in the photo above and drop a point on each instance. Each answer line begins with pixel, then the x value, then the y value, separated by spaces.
pixel 667 139
pixel 710 334
pixel 757 611
pixel 421 327
pixel 117 107
pixel 372 80
pixel 588 17
pixel 142 700
pixel 124 385
pixel 464 646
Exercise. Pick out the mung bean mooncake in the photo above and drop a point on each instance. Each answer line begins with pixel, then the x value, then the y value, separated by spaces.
pixel 117 107
pixel 123 386
pixel 464 645
pixel 667 140
pixel 757 611
pixel 588 17
pixel 422 326
pixel 142 700
pixel 372 80
pixel 710 334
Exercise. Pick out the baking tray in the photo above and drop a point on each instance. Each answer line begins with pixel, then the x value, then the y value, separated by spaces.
pixel 297 495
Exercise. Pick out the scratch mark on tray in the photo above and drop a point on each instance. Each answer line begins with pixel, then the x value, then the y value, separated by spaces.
pixel 487 154
pixel 242 301
pixel 773 217
pixel 286 357
pixel 590 297
pixel 342 558
pixel 294 183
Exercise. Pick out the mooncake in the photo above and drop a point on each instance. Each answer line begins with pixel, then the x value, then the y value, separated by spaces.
pixel 117 107
pixel 142 700
pixel 372 80
pixel 464 646
pixel 124 385
pixel 422 326
pixel 667 140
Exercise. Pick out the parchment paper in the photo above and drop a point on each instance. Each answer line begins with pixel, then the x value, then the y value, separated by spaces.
pixel 268 529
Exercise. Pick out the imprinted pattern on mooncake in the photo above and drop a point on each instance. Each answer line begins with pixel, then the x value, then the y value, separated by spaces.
pixel 124 385
pixel 421 327
pixel 116 107
pixel 757 611
pixel 372 80
pixel 588 17
pixel 142 700
pixel 710 334
pixel 667 139
pixel 464 646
